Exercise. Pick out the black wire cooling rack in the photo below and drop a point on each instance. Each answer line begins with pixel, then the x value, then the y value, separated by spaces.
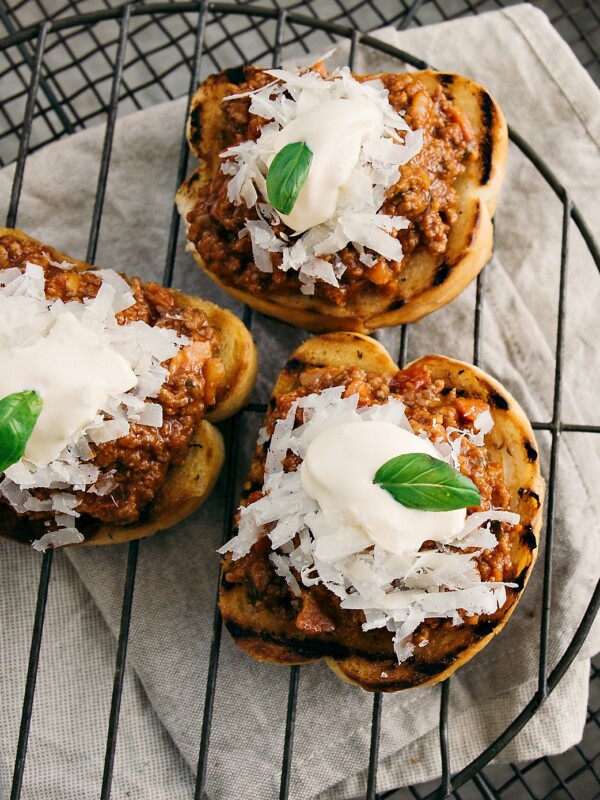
pixel 67 65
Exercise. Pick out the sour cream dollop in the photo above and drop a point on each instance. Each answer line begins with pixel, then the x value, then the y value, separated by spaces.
pixel 338 472
pixel 334 131
pixel 74 374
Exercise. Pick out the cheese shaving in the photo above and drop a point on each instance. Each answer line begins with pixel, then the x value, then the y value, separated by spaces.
pixel 394 591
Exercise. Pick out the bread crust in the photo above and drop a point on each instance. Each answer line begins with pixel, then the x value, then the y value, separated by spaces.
pixel 369 661
pixel 426 282
pixel 187 484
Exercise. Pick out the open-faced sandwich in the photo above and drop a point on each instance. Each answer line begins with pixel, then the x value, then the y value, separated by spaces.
pixel 336 201
pixel 390 519
pixel 108 387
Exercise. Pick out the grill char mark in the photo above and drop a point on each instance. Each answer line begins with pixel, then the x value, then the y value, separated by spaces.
pixel 441 273
pixel 196 123
pixel 532 453
pixel 395 304
pixel 318 648
pixel 498 401
pixel 520 579
pixel 236 75
pixel 528 538
pixel 296 365
pixel 529 494
pixel 430 668
pixel 488 117
pixel 304 648
pixel 485 627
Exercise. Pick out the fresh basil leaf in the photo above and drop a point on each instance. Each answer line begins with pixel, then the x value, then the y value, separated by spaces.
pixel 417 480
pixel 287 175
pixel 18 414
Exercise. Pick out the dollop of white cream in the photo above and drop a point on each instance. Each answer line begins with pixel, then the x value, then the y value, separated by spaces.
pixel 334 131
pixel 338 472
pixel 73 373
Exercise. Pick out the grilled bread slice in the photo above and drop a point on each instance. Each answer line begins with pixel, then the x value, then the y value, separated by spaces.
pixel 189 483
pixel 426 281
pixel 368 659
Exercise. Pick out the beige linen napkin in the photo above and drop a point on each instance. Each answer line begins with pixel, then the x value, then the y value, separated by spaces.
pixel 551 101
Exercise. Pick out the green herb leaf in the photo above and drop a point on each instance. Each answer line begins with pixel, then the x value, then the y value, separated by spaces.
pixel 417 480
pixel 287 175
pixel 18 414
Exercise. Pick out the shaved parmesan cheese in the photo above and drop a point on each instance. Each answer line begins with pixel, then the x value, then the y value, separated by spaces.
pixel 397 591
pixel 9 275
pixel 152 415
pixel 484 422
pixel 282 568
pixel 357 221
pixel 108 430
pixel 104 485
pixel 58 538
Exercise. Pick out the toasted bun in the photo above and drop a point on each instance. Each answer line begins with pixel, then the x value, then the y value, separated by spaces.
pixel 426 282
pixel 368 660
pixel 188 484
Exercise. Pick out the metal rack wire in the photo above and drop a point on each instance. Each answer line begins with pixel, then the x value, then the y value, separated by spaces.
pixel 25 54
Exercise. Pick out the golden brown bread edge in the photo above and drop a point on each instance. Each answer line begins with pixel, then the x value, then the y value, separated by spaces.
pixel 362 660
pixel 426 282
pixel 187 484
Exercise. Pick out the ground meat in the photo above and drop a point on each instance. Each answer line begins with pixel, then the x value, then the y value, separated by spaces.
pixel 137 463
pixel 424 194
pixel 431 407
